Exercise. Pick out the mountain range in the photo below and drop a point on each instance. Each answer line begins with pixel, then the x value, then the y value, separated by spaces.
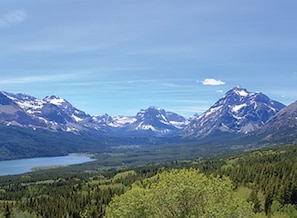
pixel 238 112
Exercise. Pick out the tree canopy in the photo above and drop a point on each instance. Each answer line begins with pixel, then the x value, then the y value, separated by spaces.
pixel 180 193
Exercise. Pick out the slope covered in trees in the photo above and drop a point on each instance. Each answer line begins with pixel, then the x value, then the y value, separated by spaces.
pixel 266 179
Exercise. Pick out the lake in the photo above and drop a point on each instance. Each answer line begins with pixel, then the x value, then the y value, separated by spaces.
pixel 13 167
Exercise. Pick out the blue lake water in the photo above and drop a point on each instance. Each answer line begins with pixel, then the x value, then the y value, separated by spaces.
pixel 13 167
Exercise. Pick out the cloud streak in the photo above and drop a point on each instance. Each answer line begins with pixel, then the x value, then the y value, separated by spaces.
pixel 12 18
pixel 35 79
pixel 212 82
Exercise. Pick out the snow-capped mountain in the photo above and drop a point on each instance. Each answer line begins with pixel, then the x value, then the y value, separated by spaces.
pixel 239 111
pixel 33 127
pixel 156 120
pixel 12 114
pixel 152 121
pixel 57 114
pixel 52 113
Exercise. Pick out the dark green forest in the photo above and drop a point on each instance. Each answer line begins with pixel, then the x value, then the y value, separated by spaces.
pixel 266 179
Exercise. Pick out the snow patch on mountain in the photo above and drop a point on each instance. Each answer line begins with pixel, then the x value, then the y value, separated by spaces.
pixel 242 92
pixel 77 119
pixel 237 108
pixel 142 126
pixel 124 120
pixel 211 111
pixel 55 100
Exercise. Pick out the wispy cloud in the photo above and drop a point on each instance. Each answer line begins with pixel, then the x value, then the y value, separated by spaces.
pixel 162 50
pixel 212 82
pixel 189 111
pixel 12 18
pixel 58 47
pixel 35 79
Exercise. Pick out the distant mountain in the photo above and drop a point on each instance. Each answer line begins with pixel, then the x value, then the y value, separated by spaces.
pixel 52 126
pixel 56 114
pixel 239 111
pixel 11 113
pixel 151 121
pixel 157 121
pixel 281 128
pixel 52 113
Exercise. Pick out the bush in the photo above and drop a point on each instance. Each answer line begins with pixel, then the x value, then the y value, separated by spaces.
pixel 181 193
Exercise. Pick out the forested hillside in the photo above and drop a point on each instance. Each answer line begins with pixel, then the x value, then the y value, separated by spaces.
pixel 270 174
pixel 264 180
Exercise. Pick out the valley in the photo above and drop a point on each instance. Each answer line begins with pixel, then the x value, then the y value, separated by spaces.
pixel 85 190
pixel 31 127
pixel 244 136
pixel 148 109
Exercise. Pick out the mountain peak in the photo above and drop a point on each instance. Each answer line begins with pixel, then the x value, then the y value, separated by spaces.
pixel 54 100
pixel 238 91
pixel 152 108
pixel 239 111
pixel 151 113
pixel 157 120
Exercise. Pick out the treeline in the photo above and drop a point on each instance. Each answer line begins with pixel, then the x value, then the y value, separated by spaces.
pixel 269 175
pixel 272 172
pixel 78 195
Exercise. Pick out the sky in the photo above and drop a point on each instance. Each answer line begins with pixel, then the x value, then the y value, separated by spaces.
pixel 121 56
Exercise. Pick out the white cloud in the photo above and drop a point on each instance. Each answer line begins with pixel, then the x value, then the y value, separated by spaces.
pixel 12 18
pixel 220 91
pixel 212 82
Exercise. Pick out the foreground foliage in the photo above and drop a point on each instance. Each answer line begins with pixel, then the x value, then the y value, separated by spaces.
pixel 181 193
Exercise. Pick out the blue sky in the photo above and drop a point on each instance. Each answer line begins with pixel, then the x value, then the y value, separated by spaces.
pixel 118 57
